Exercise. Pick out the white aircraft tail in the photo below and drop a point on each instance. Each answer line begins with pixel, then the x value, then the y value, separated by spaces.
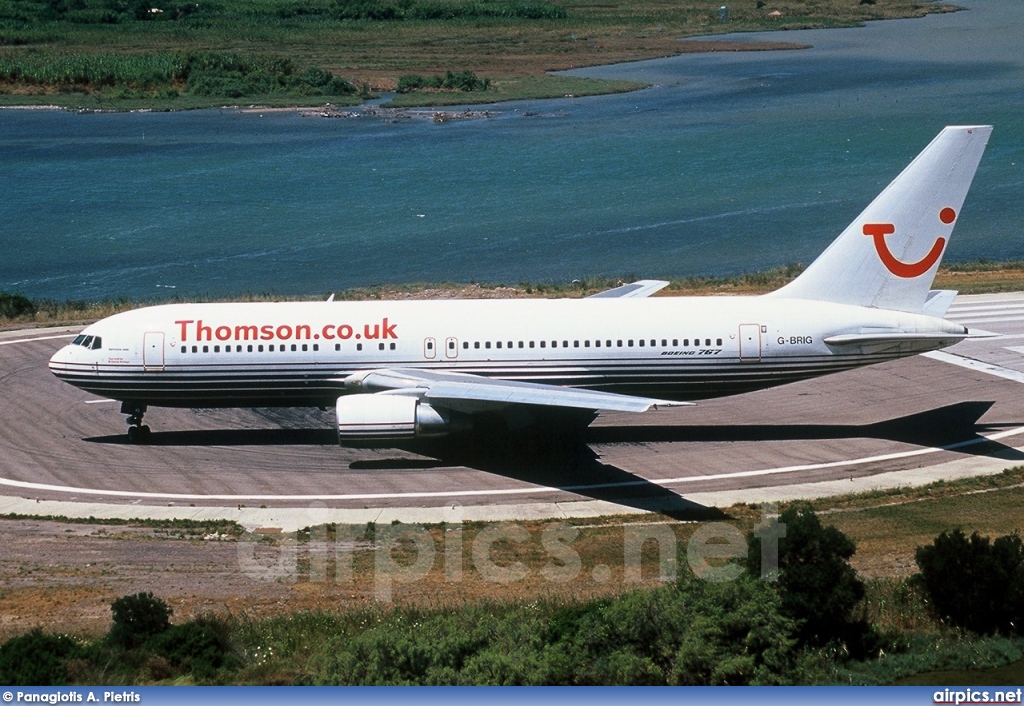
pixel 888 256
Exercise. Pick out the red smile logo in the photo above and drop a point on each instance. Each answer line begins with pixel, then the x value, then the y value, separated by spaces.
pixel 878 231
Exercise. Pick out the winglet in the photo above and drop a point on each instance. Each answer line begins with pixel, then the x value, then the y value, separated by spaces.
pixel 888 256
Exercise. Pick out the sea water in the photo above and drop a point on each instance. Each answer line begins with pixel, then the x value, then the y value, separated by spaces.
pixel 731 162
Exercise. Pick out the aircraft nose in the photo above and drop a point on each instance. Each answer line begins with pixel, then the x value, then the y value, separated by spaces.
pixel 60 360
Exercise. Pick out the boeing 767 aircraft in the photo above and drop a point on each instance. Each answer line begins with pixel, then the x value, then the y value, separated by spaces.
pixel 399 370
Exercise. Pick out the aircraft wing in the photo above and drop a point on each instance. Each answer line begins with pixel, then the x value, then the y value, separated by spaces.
pixel 634 290
pixel 475 393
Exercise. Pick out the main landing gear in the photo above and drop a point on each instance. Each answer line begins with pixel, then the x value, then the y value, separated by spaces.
pixel 138 433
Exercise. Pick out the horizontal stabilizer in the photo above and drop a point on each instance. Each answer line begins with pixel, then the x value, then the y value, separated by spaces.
pixel 860 339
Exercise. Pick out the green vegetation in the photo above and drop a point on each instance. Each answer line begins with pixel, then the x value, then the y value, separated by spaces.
pixel 168 76
pixel 818 587
pixel 817 623
pixel 364 43
pixel 460 81
pixel 974 583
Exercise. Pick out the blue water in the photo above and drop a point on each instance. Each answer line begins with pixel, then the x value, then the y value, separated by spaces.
pixel 732 162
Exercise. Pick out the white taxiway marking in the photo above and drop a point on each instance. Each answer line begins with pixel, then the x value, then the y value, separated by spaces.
pixel 972 364
pixel 37 338
pixel 525 491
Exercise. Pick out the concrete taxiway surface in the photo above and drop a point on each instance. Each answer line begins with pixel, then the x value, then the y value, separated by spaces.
pixel 951 413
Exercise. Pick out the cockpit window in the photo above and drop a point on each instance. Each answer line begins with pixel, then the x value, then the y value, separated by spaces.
pixel 93 343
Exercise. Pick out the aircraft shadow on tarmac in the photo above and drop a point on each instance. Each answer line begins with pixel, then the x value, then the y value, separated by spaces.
pixel 956 426
pixel 577 469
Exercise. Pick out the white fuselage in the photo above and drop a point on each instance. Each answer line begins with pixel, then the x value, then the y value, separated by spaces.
pixel 298 354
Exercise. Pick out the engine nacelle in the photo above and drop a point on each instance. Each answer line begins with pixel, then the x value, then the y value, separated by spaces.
pixel 386 418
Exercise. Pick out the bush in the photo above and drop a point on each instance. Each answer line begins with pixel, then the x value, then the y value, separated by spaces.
pixel 191 647
pixel 36 659
pixel 137 618
pixel 15 305
pixel 975 583
pixel 818 586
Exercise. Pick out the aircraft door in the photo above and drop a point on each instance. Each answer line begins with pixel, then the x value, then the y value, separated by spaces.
pixel 429 348
pixel 451 348
pixel 153 351
pixel 750 343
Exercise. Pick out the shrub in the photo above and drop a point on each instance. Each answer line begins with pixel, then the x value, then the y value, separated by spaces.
pixel 818 586
pixel 15 305
pixel 191 647
pixel 36 659
pixel 137 618
pixel 975 583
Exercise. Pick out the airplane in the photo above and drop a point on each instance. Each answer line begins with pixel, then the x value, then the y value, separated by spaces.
pixel 401 370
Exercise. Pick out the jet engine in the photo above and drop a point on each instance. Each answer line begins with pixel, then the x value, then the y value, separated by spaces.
pixel 367 418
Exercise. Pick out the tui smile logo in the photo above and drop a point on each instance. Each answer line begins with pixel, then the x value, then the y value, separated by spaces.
pixel 907 270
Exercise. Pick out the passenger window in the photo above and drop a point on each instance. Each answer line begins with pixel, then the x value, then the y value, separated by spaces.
pixel 195 349
pixel 305 347
pixel 565 344
pixel 316 347
pixel 631 343
pixel 206 349
pixel 586 344
pixel 521 344
pixel 184 349
pixel 718 342
pixel 543 344
pixel 476 344
pixel 641 343
pixel 380 346
pixel 597 344
pixel 465 345
pixel 260 348
pixel 392 346
pixel 487 345
pixel 707 341
pixel 249 348
pixel 675 342
pixel 216 349
pixel 337 346
pixel 294 347
pixel 359 346
pixel 510 344
pixel 608 344
pixel 664 343
pixel 575 344
pixel 619 342
pixel 531 344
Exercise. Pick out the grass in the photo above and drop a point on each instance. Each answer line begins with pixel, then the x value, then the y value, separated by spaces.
pixel 506 42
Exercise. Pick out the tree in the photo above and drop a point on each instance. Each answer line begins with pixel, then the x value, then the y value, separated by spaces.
pixel 817 585
pixel 975 583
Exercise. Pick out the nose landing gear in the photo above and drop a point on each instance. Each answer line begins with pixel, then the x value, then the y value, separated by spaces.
pixel 138 433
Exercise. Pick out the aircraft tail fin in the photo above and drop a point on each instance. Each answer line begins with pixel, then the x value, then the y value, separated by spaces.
pixel 888 256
